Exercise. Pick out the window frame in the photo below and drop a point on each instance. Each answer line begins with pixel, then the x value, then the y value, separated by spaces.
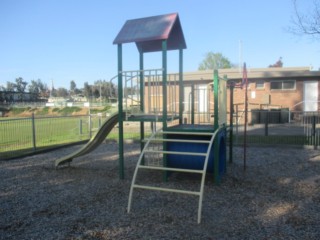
pixel 282 82
pixel 259 82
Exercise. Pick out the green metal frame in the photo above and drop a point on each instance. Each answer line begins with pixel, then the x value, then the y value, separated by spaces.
pixel 164 99
pixel 216 99
pixel 120 109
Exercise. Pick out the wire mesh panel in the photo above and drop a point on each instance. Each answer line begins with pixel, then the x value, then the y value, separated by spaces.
pixel 152 92
pixel 21 136
pixel 16 135
pixel 278 127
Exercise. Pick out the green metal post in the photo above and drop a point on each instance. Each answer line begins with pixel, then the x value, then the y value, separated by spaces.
pixel 231 123
pixel 164 101
pixel 164 83
pixel 216 125
pixel 192 104
pixel 216 103
pixel 120 109
pixel 33 132
pixel 141 98
pixel 216 161
pixel 181 90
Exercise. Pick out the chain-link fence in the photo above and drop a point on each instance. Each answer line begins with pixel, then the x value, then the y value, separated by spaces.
pixel 277 127
pixel 21 136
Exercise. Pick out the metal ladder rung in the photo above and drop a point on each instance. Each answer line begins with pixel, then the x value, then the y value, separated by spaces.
pixel 202 172
pixel 176 140
pixel 187 133
pixel 166 189
pixel 177 153
pixel 171 169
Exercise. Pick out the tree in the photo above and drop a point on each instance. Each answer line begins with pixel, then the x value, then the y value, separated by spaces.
pixel 62 92
pixel 20 85
pixel 73 87
pixel 10 86
pixel 107 89
pixel 34 88
pixel 87 91
pixel 214 61
pixel 306 23
pixel 39 88
pixel 278 63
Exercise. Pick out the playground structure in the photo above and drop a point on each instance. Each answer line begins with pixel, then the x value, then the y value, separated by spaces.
pixel 176 147
pixel 182 144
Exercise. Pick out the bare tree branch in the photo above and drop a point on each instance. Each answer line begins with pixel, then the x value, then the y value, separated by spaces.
pixel 306 23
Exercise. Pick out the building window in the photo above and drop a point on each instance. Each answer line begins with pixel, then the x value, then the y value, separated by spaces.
pixel 260 84
pixel 283 85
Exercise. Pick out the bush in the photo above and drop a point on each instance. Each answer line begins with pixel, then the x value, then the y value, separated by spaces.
pixel 100 110
pixel 16 111
pixel 69 110
pixel 43 111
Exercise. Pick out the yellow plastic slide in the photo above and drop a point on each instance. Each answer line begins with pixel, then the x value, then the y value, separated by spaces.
pixel 93 143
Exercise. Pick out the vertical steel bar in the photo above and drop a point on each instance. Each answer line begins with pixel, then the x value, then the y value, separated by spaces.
pixel 181 89
pixel 216 103
pixel 141 98
pixel 90 126
pixel 266 127
pixel 80 127
pixel 164 84
pixel 120 109
pixel 231 123
pixel 164 101
pixel 33 133
pixel 245 118
pixel 192 104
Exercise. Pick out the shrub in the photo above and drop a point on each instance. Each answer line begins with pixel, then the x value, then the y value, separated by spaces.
pixel 69 110
pixel 100 110
pixel 43 111
pixel 16 111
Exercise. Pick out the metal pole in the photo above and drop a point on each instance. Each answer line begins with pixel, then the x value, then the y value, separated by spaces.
pixel 266 130
pixel 141 98
pixel 80 127
pixel 181 89
pixel 216 99
pixel 33 132
pixel 164 101
pixel 192 104
pixel 120 109
pixel 231 123
pixel 245 118
pixel 90 126
pixel 313 132
pixel 164 83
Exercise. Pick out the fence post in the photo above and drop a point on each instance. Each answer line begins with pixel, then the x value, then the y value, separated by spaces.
pixel 33 132
pixel 80 127
pixel 90 132
pixel 313 132
pixel 266 133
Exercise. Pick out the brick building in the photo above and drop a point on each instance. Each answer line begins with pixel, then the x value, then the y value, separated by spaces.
pixel 293 88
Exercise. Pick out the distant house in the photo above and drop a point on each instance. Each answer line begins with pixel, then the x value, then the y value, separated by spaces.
pixel 291 88
pixel 295 88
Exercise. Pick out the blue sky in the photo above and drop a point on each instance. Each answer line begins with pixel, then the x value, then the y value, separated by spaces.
pixel 64 40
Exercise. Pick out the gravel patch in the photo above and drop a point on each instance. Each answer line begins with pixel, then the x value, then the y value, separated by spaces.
pixel 277 197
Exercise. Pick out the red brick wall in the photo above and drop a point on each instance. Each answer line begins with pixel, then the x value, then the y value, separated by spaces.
pixel 266 98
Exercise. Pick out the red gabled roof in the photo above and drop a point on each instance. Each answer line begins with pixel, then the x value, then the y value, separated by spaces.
pixel 149 32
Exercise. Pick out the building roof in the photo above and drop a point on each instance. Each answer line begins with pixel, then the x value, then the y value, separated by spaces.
pixel 149 32
pixel 255 73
